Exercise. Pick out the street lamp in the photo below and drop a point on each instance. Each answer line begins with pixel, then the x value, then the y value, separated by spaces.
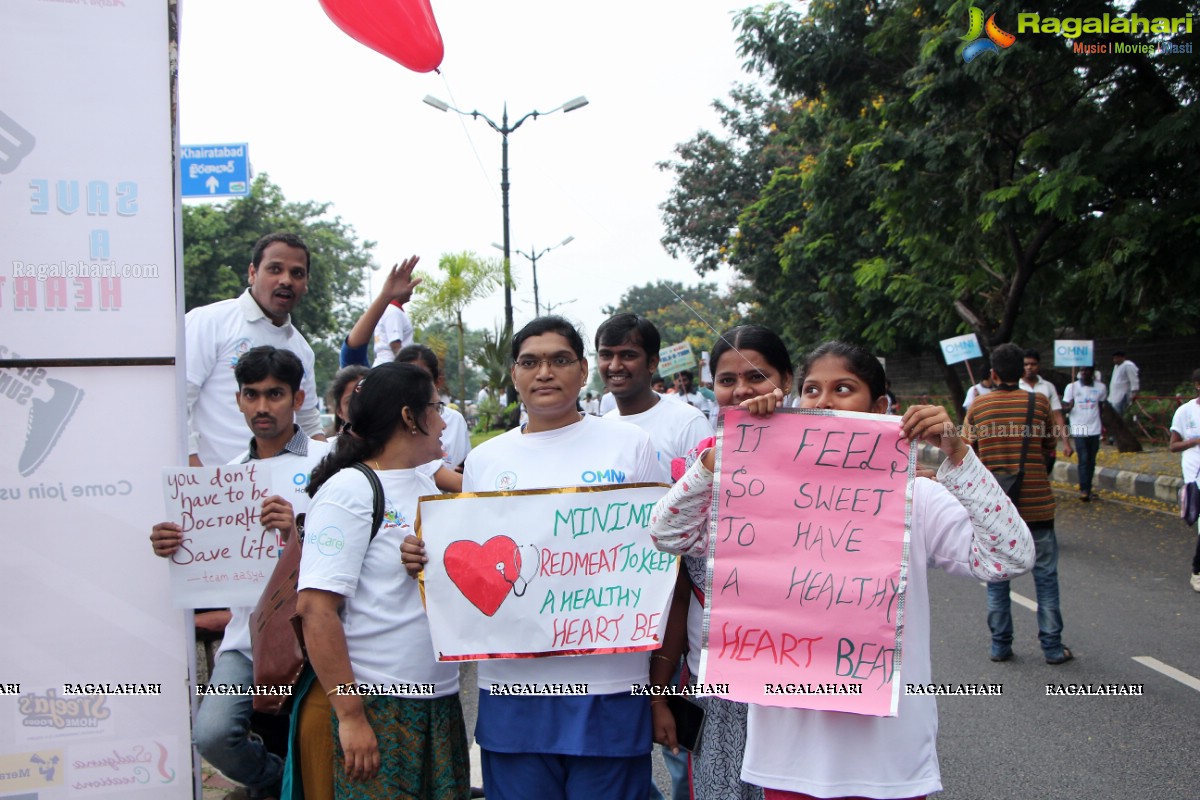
pixel 533 255
pixel 504 129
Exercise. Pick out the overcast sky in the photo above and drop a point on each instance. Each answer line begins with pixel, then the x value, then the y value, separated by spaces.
pixel 331 120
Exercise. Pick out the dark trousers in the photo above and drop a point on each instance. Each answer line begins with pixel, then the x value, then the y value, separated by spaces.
pixel 1087 447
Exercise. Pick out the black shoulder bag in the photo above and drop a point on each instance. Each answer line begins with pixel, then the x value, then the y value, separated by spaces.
pixel 1011 481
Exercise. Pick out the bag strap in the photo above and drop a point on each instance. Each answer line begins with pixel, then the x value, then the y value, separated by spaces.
pixel 377 497
pixel 1027 436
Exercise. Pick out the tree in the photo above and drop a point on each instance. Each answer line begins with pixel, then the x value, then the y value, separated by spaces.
pixel 918 196
pixel 695 314
pixel 468 278
pixel 218 241
pixel 492 356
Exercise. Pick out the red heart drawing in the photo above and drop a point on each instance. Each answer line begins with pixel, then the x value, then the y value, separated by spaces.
pixel 484 573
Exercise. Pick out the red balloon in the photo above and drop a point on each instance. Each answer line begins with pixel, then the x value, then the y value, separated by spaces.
pixel 403 30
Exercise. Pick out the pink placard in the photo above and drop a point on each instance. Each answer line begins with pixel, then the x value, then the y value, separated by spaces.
pixel 807 560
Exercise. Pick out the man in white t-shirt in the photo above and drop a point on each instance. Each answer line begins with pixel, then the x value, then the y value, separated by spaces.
pixel 627 356
pixel 1123 383
pixel 593 746
pixel 1185 438
pixel 217 335
pixel 978 390
pixel 393 332
pixel 1082 401
pixel 1032 382
pixel 269 395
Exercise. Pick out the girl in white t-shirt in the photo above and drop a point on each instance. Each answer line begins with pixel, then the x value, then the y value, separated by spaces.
pixel 797 754
pixel 396 714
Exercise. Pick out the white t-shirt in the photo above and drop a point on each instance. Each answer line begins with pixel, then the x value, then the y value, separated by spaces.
pixel 1045 387
pixel 1085 414
pixel 1124 380
pixel 976 391
pixel 393 326
pixel 456 439
pixel 607 403
pixel 289 479
pixel 387 632
pixel 1186 423
pixel 215 337
pixel 674 428
pixel 593 451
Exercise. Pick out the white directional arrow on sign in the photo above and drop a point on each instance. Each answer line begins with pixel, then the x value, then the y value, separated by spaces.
pixel 211 184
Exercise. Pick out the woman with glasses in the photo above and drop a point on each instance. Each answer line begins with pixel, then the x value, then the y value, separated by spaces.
pixel 364 622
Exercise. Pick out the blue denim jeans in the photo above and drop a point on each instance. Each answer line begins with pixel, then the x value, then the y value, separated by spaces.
pixel 1087 447
pixel 222 731
pixel 1045 582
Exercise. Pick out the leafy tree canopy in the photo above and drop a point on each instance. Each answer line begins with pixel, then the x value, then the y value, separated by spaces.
pixel 681 313
pixel 900 195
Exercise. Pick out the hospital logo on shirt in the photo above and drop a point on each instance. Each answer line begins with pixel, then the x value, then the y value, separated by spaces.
pixel 329 541
pixel 505 481
pixel 602 476
pixel 240 348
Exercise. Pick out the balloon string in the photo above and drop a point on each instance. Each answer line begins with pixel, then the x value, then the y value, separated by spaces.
pixel 720 336
pixel 462 120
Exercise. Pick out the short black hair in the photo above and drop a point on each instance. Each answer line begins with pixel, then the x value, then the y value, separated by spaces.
pixel 344 377
pixel 1196 376
pixel 1031 353
pixel 629 328
pixel 1008 361
pixel 542 325
pixel 290 239
pixel 419 352
pixel 264 362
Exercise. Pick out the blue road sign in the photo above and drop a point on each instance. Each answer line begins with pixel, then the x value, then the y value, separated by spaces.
pixel 215 170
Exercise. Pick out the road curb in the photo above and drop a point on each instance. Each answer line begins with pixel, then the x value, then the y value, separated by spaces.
pixel 1163 488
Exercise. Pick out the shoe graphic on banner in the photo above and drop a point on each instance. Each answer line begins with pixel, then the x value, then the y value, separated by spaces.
pixel 47 420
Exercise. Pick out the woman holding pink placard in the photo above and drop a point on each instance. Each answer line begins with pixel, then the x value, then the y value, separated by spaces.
pixel 956 519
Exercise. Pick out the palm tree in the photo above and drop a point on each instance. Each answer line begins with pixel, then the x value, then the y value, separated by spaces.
pixel 467 278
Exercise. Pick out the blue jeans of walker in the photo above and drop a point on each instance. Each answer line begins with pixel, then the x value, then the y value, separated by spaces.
pixel 1087 447
pixel 1045 582
pixel 222 732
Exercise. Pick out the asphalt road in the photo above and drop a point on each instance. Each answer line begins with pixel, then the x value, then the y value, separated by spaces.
pixel 1123 577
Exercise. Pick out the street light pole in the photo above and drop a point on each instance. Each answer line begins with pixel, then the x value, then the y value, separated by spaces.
pixel 504 129
pixel 533 255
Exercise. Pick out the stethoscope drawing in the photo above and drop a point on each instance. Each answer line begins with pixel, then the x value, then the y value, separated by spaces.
pixel 523 581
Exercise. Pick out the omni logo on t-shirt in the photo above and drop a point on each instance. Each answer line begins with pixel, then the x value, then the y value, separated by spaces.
pixel 603 476
pixel 330 541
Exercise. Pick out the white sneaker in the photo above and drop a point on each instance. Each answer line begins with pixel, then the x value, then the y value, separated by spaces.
pixel 1196 582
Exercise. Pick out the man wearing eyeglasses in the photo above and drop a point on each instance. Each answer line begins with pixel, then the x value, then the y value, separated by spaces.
pixel 590 746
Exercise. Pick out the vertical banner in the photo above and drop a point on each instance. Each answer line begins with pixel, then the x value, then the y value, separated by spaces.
pixel 808 554
pixel 94 689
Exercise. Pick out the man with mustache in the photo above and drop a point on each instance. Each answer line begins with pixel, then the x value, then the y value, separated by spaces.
pixel 217 335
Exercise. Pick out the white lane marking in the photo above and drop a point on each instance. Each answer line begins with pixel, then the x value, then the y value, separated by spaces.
pixel 1019 599
pixel 1169 671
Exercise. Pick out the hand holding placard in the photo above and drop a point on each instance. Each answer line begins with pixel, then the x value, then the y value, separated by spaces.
pixel 224 553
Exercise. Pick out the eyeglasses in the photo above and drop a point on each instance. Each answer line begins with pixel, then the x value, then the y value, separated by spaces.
pixel 529 364
pixel 441 405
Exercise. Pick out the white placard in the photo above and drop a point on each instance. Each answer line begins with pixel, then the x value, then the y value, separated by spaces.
pixel 960 348
pixel 675 358
pixel 226 555
pixel 544 572
pixel 1073 353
